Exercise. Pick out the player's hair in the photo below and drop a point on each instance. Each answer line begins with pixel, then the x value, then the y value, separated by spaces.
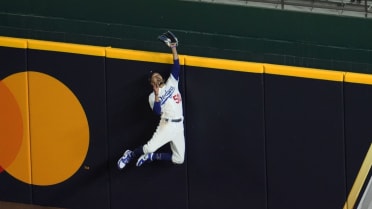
pixel 150 75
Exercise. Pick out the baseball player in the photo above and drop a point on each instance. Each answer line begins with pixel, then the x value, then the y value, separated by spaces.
pixel 166 101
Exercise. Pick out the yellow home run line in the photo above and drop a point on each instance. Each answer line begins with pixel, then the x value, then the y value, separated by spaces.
pixel 13 42
pixel 304 72
pixel 224 64
pixel 359 181
pixel 205 62
pixel 358 78
pixel 140 55
pixel 65 47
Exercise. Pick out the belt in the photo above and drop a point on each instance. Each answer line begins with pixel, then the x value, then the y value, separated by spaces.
pixel 173 120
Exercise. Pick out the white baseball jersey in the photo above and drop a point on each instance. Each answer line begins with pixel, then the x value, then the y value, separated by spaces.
pixel 170 100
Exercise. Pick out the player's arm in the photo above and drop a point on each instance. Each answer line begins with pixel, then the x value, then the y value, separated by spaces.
pixel 175 71
pixel 157 106
pixel 172 42
pixel 173 47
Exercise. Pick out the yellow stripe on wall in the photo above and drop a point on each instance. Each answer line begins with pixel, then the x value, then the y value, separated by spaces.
pixel 224 64
pixel 304 72
pixel 66 47
pixel 358 78
pixel 128 54
pixel 13 42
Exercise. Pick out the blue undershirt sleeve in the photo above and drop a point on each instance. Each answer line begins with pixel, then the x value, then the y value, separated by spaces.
pixel 157 108
pixel 176 69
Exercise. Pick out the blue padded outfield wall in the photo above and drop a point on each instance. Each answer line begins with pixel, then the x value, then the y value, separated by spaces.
pixel 258 135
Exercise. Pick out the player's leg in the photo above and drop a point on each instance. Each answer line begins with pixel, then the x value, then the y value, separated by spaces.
pixel 178 151
pixel 153 144
pixel 149 157
pixel 178 147
pixel 160 138
pixel 128 156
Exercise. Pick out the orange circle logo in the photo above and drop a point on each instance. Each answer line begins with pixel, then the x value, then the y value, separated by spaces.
pixel 11 127
pixel 44 132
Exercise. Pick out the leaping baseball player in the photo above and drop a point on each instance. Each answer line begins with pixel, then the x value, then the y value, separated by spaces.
pixel 166 101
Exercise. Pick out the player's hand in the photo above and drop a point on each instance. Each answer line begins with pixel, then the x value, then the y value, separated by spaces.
pixel 173 45
pixel 155 87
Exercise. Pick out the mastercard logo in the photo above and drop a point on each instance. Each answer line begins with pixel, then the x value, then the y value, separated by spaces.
pixel 44 131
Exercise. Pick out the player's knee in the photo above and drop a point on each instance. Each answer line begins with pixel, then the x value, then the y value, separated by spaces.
pixel 178 159
pixel 148 149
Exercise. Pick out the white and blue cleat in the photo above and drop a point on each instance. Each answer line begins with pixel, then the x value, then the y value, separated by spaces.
pixel 125 159
pixel 145 158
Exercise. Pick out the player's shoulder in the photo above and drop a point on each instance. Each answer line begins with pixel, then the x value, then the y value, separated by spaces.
pixel 171 76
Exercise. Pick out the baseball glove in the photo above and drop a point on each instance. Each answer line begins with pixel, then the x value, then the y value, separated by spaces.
pixel 169 39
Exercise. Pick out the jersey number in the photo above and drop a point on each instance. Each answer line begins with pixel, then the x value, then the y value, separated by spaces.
pixel 177 98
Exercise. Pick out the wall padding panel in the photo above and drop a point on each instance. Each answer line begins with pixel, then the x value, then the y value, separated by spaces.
pixel 225 134
pixel 304 138
pixel 358 114
pixel 14 151
pixel 79 70
pixel 131 123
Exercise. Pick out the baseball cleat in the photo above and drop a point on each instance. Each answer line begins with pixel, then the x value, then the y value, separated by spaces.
pixel 125 159
pixel 145 158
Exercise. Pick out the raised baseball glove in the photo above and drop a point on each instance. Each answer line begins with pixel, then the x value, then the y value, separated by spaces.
pixel 169 39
